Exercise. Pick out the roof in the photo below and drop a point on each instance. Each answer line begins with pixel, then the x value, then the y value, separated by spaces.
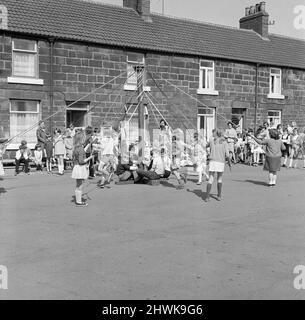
pixel 113 25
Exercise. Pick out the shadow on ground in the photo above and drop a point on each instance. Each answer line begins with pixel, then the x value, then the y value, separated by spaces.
pixel 256 182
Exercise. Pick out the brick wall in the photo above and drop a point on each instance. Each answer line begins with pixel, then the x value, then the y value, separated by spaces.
pixel 79 69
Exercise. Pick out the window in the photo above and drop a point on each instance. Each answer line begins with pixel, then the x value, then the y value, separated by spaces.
pixel 274 118
pixel 275 84
pixel 24 62
pixel 78 114
pixel 206 121
pixel 207 78
pixel 25 58
pixel 134 59
pixel 23 115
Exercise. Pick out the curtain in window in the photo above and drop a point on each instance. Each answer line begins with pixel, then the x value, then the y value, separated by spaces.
pixel 131 74
pixel 24 64
pixel 20 122
pixel 210 80
pixel 203 75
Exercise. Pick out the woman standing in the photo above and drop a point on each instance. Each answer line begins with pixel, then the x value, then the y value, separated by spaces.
pixel 274 147
pixel 219 151
pixel 59 150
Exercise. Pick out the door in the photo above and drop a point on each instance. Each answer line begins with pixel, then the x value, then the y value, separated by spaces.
pixel 76 117
pixel 206 121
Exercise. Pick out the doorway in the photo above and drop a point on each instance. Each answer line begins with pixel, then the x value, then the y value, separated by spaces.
pixel 206 121
pixel 77 115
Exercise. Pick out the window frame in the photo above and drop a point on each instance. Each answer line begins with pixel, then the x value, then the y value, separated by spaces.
pixel 201 90
pixel 31 145
pixel 277 77
pixel 133 86
pixel 30 52
pixel 26 79
pixel 274 110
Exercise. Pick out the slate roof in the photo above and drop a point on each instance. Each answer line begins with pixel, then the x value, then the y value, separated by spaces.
pixel 113 25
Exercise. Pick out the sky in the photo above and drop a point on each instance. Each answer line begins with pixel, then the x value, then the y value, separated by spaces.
pixel 229 12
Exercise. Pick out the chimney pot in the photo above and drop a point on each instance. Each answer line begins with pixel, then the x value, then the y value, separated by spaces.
pixel 263 6
pixel 256 19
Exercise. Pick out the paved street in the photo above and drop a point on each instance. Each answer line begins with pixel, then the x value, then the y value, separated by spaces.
pixel 153 242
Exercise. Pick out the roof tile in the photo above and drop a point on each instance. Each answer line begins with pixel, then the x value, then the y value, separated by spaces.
pixel 113 25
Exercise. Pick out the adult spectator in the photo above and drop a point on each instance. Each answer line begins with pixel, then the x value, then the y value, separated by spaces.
pixel 23 155
pixel 231 136
pixel 41 135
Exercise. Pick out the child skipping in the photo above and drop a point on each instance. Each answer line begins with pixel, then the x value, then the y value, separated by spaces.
pixel 219 151
pixel 80 169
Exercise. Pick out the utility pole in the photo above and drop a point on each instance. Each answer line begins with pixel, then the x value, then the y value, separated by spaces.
pixel 163 7
pixel 140 70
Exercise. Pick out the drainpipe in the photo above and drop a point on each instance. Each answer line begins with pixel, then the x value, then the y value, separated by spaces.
pixel 51 90
pixel 256 96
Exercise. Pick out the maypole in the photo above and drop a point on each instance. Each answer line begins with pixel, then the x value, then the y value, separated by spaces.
pixel 141 114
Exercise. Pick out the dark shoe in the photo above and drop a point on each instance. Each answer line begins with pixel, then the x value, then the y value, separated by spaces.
pixel 83 204
pixel 16 173
pixel 218 198
pixel 207 199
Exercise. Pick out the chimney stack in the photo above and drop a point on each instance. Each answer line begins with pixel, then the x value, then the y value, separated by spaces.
pixel 142 7
pixel 256 18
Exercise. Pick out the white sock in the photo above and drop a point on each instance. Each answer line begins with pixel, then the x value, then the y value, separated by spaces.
pixel 290 163
pixel 200 177
pixel 78 196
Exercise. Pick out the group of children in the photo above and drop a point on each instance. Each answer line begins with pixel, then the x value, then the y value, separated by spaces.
pixel 248 150
pixel 100 151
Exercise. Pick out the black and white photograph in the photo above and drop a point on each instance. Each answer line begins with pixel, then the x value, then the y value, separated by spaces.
pixel 152 150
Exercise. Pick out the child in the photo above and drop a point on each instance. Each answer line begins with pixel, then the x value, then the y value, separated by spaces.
pixel 274 147
pixel 249 147
pixel 295 146
pixel 49 153
pixel 2 151
pixel 107 165
pixel 239 148
pixel 59 150
pixel 38 157
pixel 200 157
pixel 80 170
pixel 257 150
pixel 219 152
pixel 68 144
pixel 286 141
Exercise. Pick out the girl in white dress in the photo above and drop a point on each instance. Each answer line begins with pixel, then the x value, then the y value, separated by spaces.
pixel 59 150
